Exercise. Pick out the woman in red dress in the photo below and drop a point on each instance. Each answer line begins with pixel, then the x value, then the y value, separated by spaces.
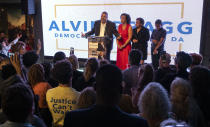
pixel 124 45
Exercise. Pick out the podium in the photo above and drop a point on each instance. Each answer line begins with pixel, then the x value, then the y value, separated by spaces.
pixel 97 47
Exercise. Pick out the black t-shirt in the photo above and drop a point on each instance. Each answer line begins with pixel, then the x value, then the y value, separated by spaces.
pixel 157 35
pixel 142 36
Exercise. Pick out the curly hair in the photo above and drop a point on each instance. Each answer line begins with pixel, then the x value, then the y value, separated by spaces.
pixel 91 67
pixel 36 74
pixel 62 72
pixel 128 18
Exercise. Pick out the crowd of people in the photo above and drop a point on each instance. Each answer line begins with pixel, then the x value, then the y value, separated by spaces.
pixel 58 94
pixel 129 94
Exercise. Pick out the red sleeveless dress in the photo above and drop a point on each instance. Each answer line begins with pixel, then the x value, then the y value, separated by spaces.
pixel 122 54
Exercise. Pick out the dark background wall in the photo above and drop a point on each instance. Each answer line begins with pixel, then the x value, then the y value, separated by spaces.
pixel 205 39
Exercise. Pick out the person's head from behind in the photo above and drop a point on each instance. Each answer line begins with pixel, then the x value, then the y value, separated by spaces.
pixel 134 57
pixel 91 66
pixel 74 62
pixel 146 75
pixel 165 60
pixel 62 72
pixel 30 58
pixel 104 17
pixel 4 62
pixel 19 47
pixel 200 80
pixel 8 71
pixel 59 56
pixel 181 98
pixel 158 24
pixel 103 62
pixel 182 61
pixel 173 123
pixel 154 103
pixel 87 98
pixel 196 59
pixel 47 68
pixel 108 85
pixel 139 22
pixel 125 18
pixel 36 74
pixel 17 103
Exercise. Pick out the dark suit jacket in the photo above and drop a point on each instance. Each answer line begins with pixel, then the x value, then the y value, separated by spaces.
pixel 100 116
pixel 109 31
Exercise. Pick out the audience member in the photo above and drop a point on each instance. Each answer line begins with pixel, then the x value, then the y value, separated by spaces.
pixel 17 105
pixel 47 69
pixel 146 75
pixel 154 104
pixel 40 87
pixel 173 123
pixel 126 104
pixel 5 45
pixel 88 78
pixel 62 98
pixel 184 105
pixel 59 56
pixel 87 98
pixel 103 62
pixel 164 67
pixel 105 112
pixel 200 80
pixel 130 75
pixel 182 62
pixel 30 58
pixel 196 59
pixel 38 83
pixel 76 74
pixel 19 47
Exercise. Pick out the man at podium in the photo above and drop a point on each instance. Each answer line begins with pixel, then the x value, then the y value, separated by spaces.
pixel 104 28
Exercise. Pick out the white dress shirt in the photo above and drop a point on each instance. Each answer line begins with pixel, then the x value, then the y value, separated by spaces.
pixel 102 29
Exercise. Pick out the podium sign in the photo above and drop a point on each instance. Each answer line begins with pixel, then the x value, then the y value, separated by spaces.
pixel 96 47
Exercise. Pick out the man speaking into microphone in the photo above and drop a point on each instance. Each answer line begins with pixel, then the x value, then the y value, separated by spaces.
pixel 104 28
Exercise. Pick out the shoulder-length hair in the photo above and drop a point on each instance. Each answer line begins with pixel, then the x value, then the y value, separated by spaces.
pixel 91 66
pixel 128 18
pixel 36 74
